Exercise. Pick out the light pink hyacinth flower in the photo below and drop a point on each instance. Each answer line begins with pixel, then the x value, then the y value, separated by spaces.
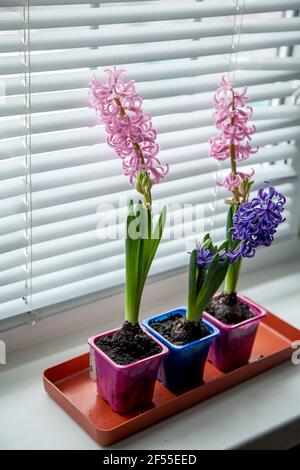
pixel 129 129
pixel 233 181
pixel 231 118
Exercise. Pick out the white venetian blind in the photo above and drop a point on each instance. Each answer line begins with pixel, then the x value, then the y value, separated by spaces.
pixel 55 167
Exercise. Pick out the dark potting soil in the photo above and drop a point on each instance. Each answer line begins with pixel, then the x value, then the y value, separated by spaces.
pixel 229 309
pixel 179 331
pixel 127 345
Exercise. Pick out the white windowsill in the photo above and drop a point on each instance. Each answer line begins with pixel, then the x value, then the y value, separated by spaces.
pixel 263 412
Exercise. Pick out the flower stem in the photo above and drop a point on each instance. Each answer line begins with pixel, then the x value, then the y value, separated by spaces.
pixel 232 159
pixel 235 193
pixel 122 110
pixel 232 277
pixel 132 305
pixel 145 190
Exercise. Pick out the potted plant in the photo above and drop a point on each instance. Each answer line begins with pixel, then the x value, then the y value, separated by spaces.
pixel 183 330
pixel 251 223
pixel 127 359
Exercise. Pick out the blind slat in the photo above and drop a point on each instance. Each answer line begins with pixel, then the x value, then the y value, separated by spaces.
pixel 146 72
pixel 160 104
pixel 20 3
pixel 175 133
pixel 150 33
pixel 147 52
pixel 85 156
pixel 86 118
pixel 121 14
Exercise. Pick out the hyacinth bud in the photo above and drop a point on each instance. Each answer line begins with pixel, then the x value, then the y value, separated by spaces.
pixel 244 188
pixel 143 185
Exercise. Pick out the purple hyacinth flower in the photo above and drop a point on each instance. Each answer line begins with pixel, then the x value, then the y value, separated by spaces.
pixel 255 222
pixel 204 256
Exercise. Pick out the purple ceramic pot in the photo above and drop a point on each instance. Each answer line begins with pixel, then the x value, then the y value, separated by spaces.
pixel 126 387
pixel 232 348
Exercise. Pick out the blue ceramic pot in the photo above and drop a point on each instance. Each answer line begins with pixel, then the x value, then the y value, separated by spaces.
pixel 183 366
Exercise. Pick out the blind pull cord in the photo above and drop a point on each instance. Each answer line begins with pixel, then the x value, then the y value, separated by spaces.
pixel 26 57
pixel 232 68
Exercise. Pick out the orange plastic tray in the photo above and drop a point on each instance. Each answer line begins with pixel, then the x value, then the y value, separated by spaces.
pixel 70 386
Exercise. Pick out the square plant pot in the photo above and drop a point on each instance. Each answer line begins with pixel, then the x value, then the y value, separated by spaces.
pixel 233 347
pixel 126 387
pixel 183 367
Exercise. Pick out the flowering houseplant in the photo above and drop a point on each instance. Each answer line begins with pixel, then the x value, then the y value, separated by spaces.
pixel 207 270
pixel 127 359
pixel 186 334
pixel 251 223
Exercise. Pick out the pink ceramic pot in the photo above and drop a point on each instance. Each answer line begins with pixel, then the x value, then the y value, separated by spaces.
pixel 126 387
pixel 232 348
